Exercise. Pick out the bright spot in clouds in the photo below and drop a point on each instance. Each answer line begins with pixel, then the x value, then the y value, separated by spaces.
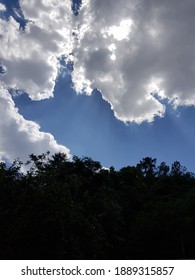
pixel 112 48
pixel 121 31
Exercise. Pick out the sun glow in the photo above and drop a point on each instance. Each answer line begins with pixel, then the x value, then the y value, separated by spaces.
pixel 121 31
pixel 112 49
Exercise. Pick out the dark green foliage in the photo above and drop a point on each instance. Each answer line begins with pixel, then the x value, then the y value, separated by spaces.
pixel 75 209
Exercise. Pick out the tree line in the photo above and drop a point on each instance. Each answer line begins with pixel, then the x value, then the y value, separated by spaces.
pixel 75 209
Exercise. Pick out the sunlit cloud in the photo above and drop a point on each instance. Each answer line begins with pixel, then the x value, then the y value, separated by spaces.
pixel 20 137
pixel 31 56
pixel 2 8
pixel 130 49
pixel 30 62
pixel 121 31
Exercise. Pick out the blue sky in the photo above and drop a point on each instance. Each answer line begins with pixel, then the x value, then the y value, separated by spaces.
pixel 88 127
pixel 108 125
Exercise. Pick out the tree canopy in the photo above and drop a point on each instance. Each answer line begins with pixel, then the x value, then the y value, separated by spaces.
pixel 76 209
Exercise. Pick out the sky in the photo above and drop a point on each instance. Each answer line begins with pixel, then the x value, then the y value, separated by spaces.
pixel 110 79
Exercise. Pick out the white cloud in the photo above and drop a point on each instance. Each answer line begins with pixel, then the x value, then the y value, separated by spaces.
pixel 2 7
pixel 20 137
pixel 31 57
pixel 123 48
pixel 30 62
pixel 127 48
pixel 121 31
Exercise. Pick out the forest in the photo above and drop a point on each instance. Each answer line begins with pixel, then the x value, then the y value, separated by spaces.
pixel 76 209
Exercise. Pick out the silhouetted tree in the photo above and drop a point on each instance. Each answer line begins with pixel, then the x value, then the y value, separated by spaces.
pixel 163 169
pixel 147 166
pixel 63 208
